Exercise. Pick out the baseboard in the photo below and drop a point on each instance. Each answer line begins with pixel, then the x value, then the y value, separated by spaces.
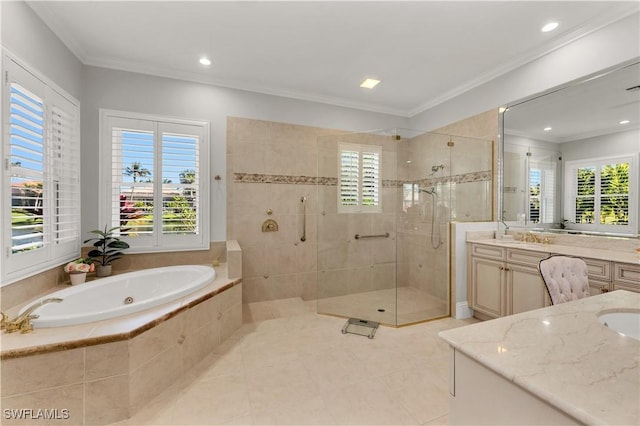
pixel 463 311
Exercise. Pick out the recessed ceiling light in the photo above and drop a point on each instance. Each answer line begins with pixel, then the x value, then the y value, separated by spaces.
pixel 205 61
pixel 369 83
pixel 549 27
pixel 546 129
pixel 624 122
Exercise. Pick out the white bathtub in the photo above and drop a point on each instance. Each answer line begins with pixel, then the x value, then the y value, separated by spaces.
pixel 120 295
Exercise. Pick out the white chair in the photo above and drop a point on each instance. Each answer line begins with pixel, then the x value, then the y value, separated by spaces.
pixel 565 277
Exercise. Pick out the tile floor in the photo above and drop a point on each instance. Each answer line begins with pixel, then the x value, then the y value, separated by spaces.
pixel 289 366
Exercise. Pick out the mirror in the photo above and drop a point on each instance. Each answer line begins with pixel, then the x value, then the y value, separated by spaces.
pixel 587 130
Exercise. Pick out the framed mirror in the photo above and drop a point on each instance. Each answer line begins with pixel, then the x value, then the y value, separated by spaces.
pixel 570 157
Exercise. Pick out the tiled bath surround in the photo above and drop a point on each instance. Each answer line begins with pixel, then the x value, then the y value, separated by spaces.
pixel 110 378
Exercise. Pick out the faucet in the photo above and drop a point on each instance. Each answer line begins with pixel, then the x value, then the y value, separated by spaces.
pixel 530 236
pixel 23 321
pixel 506 227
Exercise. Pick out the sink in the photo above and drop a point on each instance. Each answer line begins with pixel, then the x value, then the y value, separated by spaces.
pixel 625 323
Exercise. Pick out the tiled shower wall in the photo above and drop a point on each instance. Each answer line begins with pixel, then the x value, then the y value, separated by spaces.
pixel 271 166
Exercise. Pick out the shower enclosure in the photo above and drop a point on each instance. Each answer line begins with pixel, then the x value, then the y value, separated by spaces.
pixel 385 202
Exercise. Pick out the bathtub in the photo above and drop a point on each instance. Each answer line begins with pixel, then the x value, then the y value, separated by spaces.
pixel 121 295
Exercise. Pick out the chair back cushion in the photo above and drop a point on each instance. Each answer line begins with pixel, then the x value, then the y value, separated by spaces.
pixel 566 278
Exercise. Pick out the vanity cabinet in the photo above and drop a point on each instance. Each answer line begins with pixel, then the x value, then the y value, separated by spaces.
pixel 599 275
pixel 504 281
pixel 488 287
pixel 626 277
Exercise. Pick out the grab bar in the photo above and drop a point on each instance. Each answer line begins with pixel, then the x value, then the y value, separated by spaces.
pixel 359 237
pixel 304 219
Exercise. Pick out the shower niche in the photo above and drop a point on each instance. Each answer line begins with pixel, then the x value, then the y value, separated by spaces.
pixel 385 202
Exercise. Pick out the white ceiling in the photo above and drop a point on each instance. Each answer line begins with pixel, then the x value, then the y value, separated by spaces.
pixel 424 52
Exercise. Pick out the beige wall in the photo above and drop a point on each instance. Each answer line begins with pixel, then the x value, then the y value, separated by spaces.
pixel 271 166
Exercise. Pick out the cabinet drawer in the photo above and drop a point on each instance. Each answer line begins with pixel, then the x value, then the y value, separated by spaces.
pixel 598 287
pixel 627 273
pixel 599 269
pixel 525 257
pixel 488 252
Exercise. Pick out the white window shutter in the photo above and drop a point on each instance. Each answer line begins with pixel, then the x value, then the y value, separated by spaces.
pixel 360 178
pixel 180 183
pixel 27 169
pixel 349 191
pixel 64 144
pixel 41 183
pixel 157 180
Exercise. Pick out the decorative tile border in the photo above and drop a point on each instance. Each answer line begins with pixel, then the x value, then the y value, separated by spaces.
pixel 283 179
pixel 480 176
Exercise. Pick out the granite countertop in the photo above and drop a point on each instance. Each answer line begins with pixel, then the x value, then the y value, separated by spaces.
pixel 563 355
pixel 629 256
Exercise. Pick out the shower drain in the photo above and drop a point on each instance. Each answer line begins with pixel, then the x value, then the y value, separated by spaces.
pixel 128 300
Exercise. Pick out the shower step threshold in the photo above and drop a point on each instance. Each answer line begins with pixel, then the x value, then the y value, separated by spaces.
pixel 360 327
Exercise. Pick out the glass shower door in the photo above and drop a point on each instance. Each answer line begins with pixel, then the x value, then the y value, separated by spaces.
pixel 356 227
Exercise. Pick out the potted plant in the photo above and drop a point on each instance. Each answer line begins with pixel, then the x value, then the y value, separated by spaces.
pixel 78 269
pixel 107 249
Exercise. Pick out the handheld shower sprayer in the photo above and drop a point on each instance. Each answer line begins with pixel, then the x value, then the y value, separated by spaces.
pixel 435 229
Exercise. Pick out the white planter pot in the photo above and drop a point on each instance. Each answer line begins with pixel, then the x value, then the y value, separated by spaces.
pixel 77 277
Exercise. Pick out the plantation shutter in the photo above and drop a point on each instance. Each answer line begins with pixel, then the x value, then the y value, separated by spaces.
pixel 359 183
pixel 349 177
pixel 547 202
pixel 158 179
pixel 584 184
pixel 535 187
pixel 42 175
pixel 371 177
pixel 614 193
pixel 598 194
pixel 27 164
pixel 181 198
pixel 132 171
pixel 64 143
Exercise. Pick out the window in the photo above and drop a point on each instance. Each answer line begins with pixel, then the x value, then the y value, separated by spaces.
pixel 542 182
pixel 359 184
pixel 154 175
pixel 599 191
pixel 41 179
